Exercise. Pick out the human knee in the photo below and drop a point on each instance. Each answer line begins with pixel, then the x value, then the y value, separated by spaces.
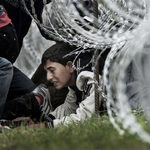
pixel 5 65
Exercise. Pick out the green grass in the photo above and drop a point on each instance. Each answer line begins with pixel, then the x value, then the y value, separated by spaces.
pixel 96 133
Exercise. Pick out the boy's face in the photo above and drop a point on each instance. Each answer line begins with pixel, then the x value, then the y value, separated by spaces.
pixel 61 76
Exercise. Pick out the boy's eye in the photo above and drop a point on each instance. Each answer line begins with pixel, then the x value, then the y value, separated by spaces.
pixel 52 70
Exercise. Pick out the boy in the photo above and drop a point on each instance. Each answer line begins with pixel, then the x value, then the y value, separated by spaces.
pixel 80 101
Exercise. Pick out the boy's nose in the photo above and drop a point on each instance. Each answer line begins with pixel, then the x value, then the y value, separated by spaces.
pixel 49 77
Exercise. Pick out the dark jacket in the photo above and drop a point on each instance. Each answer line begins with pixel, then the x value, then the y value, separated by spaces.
pixel 19 16
pixel 9 47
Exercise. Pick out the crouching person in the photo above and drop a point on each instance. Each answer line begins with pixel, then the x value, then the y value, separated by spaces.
pixel 61 72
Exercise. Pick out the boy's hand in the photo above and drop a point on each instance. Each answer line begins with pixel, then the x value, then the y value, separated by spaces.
pixel 32 126
pixel 28 120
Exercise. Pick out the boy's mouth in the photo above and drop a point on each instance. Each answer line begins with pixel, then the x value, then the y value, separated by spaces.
pixel 55 83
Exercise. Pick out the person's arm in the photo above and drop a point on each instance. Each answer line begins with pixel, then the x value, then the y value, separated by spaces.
pixel 69 106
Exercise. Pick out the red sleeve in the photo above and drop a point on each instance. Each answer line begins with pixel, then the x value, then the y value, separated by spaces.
pixel 4 20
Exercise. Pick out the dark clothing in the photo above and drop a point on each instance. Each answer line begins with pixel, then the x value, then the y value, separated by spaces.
pixel 9 43
pixel 19 16
pixel 20 85
pixel 6 74
pixel 13 83
pixel 9 49
pixel 9 46
pixel 26 105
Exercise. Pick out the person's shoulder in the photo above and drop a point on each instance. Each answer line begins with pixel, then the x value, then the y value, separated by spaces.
pixel 85 74
pixel 84 77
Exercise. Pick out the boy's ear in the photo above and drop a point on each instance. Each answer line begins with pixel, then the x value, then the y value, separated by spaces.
pixel 70 65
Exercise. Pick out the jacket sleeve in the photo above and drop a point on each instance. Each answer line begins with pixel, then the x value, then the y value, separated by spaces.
pixel 86 107
pixel 69 106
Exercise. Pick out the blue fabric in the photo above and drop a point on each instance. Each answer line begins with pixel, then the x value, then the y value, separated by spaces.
pixel 20 85
pixel 1 11
pixel 6 74
pixel 13 83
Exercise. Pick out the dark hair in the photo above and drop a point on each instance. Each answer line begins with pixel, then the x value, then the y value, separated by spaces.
pixel 56 53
